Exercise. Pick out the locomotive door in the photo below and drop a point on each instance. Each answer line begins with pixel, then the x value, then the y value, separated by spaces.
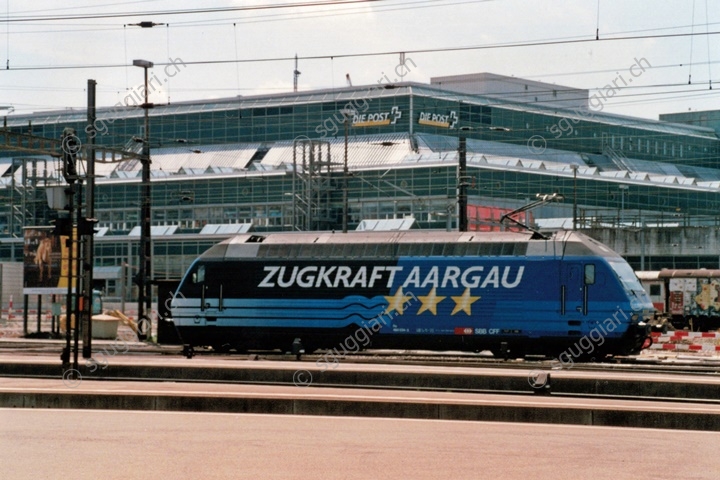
pixel 211 300
pixel 573 297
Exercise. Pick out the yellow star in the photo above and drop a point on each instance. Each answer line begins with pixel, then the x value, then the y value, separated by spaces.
pixel 429 302
pixel 396 302
pixel 463 302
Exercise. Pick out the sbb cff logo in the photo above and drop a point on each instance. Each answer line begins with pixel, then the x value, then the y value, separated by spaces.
pixel 464 331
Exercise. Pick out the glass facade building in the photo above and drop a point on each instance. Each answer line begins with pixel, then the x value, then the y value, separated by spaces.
pixel 278 162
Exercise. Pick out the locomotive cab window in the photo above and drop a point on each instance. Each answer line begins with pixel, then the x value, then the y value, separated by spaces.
pixel 627 277
pixel 199 276
pixel 589 274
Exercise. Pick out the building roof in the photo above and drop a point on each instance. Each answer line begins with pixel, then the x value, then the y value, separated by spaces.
pixel 364 93
pixel 394 150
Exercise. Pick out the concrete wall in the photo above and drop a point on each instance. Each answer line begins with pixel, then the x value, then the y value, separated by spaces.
pixel 515 89
pixel 674 241
pixel 708 118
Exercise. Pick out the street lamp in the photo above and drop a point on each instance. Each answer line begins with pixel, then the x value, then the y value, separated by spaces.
pixel 144 270
pixel 347 113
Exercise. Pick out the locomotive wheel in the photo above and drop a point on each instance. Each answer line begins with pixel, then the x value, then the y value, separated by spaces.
pixel 501 354
pixel 222 348
pixel 188 351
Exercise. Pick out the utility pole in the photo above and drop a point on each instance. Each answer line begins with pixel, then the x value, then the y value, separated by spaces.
pixel 71 224
pixel 89 244
pixel 145 267
pixel 462 185
pixel 623 191
pixel 69 245
pixel 347 113
pixel 574 168
pixel 70 146
pixel 296 75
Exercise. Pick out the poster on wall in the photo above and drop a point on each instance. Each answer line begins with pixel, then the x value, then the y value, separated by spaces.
pixel 45 262
pixel 484 218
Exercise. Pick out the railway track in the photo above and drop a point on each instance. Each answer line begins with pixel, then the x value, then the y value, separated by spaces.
pixel 648 389
pixel 699 366
pixel 663 363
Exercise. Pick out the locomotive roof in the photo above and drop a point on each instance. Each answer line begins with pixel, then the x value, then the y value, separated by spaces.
pixel 418 242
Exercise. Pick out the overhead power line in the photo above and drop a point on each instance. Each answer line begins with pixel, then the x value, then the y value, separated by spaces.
pixel 542 43
pixel 190 11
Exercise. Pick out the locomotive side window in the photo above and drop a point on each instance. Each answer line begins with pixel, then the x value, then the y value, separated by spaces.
pixel 461 249
pixel 437 250
pixel 199 276
pixel 469 249
pixel 449 250
pixel 406 249
pixel 308 251
pixel 384 250
pixel 425 249
pixel 270 251
pixel 589 274
pixel 508 249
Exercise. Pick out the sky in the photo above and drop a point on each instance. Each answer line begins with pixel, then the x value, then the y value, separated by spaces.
pixel 204 55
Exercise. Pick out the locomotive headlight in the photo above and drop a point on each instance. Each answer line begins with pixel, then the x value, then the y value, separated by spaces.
pixel 634 317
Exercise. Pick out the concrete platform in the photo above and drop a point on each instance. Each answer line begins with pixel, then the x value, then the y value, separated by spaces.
pixel 113 364
pixel 124 395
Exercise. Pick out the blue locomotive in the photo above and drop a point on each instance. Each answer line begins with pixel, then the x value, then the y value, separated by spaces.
pixel 510 293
